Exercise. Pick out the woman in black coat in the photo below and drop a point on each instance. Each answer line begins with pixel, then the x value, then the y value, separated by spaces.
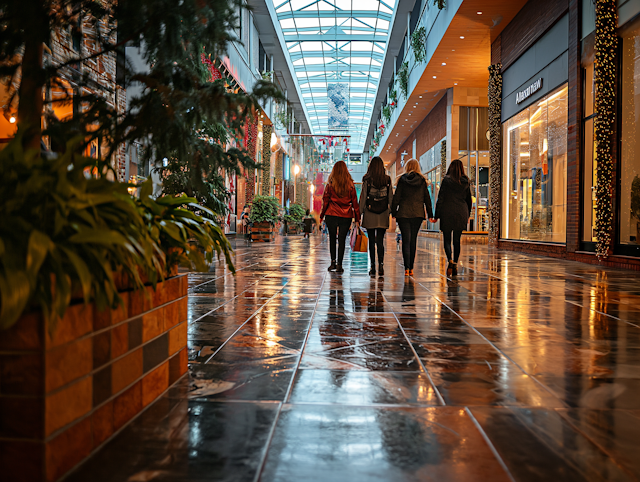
pixel 408 207
pixel 452 209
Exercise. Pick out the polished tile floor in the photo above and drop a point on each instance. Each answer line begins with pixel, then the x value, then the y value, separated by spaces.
pixel 523 368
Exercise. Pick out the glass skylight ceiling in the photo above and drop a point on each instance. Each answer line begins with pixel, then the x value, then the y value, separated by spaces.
pixel 337 49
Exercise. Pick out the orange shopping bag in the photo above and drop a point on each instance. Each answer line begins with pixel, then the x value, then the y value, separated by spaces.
pixel 362 242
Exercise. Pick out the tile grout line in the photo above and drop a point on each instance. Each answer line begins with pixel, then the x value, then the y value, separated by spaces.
pixel 490 444
pixel 220 277
pixel 263 458
pixel 424 368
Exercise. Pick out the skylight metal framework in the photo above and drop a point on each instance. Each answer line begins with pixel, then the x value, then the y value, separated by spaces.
pixel 333 42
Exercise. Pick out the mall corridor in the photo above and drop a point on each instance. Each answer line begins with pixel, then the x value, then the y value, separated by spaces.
pixel 523 368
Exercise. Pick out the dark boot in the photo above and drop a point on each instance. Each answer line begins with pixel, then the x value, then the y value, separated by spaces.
pixel 372 272
pixel 450 269
pixel 333 266
pixel 339 269
pixel 454 269
pixel 381 269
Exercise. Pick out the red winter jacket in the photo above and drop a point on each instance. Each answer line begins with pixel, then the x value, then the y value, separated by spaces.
pixel 344 207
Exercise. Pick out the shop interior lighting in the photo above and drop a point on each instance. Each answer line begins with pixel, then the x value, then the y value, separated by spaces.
pixel 12 120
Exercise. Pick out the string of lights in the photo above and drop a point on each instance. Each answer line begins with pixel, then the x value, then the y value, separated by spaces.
pixel 495 112
pixel 606 45
pixel 266 159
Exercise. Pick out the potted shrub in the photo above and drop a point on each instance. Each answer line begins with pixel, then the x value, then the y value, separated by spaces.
pixel 263 216
pixel 90 294
pixel 294 218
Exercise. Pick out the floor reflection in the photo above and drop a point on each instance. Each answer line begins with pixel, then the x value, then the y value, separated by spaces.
pixel 520 368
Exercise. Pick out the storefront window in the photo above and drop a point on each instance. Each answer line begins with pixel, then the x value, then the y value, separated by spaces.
pixel 630 153
pixel 535 171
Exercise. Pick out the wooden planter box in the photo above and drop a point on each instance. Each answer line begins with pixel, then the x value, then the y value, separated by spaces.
pixel 262 232
pixel 64 395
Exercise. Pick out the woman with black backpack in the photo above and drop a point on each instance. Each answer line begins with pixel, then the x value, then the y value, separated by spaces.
pixel 375 203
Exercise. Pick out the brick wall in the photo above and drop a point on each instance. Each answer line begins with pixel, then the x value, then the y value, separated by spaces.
pixel 64 393
pixel 430 131
pixel 101 72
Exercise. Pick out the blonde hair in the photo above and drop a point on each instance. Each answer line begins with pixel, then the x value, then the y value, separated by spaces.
pixel 412 165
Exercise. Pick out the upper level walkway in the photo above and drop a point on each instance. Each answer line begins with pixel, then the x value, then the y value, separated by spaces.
pixel 523 368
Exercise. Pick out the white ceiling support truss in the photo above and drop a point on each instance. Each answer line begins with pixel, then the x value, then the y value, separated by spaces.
pixel 333 42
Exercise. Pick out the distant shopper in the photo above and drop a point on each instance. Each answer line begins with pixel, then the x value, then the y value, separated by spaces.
pixel 339 207
pixel 307 224
pixel 375 206
pixel 398 237
pixel 452 209
pixel 408 207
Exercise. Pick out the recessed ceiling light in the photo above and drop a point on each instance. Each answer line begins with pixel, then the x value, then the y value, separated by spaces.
pixel 421 97
pixel 444 63
pixel 455 83
pixel 406 120
pixel 479 13
pixel 402 125
pixel 461 36
pixel 434 76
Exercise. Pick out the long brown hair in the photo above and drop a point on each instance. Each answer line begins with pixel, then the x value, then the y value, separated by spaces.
pixel 376 173
pixel 456 170
pixel 340 179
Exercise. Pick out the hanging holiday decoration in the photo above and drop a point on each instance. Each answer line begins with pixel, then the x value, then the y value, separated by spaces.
pixel 443 158
pixel 266 159
pixel 495 113
pixel 252 148
pixel 606 45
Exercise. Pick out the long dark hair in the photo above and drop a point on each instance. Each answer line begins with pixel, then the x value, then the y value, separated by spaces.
pixel 340 179
pixel 456 170
pixel 376 173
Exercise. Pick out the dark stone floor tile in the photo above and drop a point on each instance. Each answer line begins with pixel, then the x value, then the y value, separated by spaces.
pixel 192 441
pixel 538 444
pixel 321 443
pixel 584 391
pixel 351 387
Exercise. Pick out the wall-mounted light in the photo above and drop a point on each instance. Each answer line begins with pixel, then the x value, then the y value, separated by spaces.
pixel 12 120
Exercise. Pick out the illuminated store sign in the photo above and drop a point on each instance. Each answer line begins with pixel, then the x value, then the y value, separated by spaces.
pixel 529 91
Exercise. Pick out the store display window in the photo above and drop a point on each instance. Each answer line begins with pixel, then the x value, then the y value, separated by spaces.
pixel 534 174
pixel 629 193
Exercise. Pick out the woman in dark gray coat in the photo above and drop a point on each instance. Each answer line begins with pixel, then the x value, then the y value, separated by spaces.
pixel 452 209
pixel 375 204
pixel 409 203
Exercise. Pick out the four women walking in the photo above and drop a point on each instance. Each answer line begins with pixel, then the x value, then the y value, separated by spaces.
pixel 408 207
pixel 452 209
pixel 375 203
pixel 339 207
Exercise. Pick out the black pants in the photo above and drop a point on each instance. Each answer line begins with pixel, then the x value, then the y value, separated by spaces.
pixel 338 228
pixel 456 244
pixel 409 228
pixel 376 240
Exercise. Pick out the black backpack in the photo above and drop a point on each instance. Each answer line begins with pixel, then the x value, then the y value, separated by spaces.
pixel 378 203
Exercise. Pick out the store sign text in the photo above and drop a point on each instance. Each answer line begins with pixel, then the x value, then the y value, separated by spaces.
pixel 529 91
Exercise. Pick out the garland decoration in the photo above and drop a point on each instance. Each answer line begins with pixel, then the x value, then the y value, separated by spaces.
pixel 440 4
pixel 386 113
pixel 443 158
pixel 606 45
pixel 266 159
pixel 419 44
pixel 403 78
pixel 495 127
pixel 252 148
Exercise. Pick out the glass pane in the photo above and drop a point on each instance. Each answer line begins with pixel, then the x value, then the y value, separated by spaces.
pixel 630 169
pixel 589 183
pixel 535 171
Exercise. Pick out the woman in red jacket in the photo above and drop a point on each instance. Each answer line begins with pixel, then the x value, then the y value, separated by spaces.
pixel 339 207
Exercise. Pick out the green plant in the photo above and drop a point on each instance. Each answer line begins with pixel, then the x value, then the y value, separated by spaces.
pixel 68 232
pixel 419 44
pixel 283 116
pixel 403 78
pixel 296 214
pixel 265 209
pixel 386 113
pixel 393 96
pixel 440 4
pixel 267 75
